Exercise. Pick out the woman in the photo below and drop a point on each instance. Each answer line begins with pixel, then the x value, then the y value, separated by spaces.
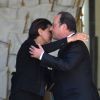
pixel 28 83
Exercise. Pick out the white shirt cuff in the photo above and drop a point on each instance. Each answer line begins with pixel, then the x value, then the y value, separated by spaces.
pixel 41 55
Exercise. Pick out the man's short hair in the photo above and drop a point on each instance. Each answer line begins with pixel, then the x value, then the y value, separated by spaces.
pixel 69 20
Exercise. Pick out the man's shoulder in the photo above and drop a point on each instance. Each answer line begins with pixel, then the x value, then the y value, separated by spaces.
pixel 77 43
pixel 74 45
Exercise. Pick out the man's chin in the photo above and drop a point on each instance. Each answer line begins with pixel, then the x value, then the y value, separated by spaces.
pixel 48 42
pixel 55 38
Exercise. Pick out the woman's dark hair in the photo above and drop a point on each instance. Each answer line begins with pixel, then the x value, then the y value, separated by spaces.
pixel 36 24
pixel 69 20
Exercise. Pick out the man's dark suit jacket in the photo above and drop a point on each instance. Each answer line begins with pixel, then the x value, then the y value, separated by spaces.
pixel 30 76
pixel 73 73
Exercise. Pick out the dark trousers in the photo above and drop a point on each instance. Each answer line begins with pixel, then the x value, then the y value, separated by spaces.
pixel 24 95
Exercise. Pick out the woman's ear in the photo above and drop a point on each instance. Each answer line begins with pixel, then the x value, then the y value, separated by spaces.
pixel 40 31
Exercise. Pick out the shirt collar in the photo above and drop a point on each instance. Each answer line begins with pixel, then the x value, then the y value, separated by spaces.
pixel 70 34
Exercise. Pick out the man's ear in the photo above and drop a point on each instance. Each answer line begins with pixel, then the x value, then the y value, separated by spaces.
pixel 65 26
pixel 40 31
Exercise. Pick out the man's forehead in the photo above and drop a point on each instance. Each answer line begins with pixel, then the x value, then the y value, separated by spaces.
pixel 55 17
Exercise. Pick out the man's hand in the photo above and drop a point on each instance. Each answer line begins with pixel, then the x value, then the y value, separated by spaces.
pixel 36 52
pixel 79 36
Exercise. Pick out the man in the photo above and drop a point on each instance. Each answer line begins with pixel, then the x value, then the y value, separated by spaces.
pixel 72 67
